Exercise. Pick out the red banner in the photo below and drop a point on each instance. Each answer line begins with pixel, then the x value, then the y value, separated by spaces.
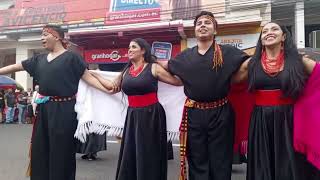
pixel 34 12
pixel 120 55
pixel 106 56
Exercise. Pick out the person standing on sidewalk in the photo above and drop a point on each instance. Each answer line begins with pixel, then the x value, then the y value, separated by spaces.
pixel 22 106
pixel 10 100
pixel 2 106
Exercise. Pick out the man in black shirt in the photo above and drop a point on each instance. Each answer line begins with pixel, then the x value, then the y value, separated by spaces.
pixel 207 129
pixel 10 101
pixel 58 74
pixel 22 106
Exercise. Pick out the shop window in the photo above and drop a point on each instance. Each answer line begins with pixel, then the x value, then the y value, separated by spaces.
pixel 314 38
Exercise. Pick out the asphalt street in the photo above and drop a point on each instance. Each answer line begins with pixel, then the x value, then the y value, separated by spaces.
pixel 15 138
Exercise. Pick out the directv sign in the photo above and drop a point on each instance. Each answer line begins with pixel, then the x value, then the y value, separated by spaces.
pixel 127 5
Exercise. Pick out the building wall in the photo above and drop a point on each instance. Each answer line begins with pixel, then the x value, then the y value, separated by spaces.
pixel 236 18
pixel 19 51
pixel 283 11
pixel 241 23
pixel 248 11
pixel 23 52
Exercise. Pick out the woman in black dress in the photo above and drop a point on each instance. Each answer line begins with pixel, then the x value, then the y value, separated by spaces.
pixel 143 152
pixel 276 74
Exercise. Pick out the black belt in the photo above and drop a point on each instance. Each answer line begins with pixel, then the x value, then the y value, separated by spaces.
pixel 62 99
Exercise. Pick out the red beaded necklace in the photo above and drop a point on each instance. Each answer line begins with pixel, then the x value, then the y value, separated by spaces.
pixel 135 73
pixel 272 66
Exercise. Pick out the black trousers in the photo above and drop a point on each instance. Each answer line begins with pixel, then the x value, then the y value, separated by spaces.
pixel 210 143
pixel 53 144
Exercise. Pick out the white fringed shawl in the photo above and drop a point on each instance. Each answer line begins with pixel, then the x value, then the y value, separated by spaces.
pixel 98 112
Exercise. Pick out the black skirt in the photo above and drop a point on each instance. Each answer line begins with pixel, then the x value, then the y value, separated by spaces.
pixel 143 152
pixel 94 144
pixel 271 155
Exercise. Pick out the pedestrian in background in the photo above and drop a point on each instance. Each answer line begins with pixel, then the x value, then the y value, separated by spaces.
pixel 2 106
pixel 22 106
pixel 10 101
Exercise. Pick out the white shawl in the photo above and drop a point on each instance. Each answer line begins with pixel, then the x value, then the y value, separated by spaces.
pixel 98 112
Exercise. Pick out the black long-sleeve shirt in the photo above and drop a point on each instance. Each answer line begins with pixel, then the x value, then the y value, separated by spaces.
pixel 201 82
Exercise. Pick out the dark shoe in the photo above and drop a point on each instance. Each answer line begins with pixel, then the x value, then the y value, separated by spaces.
pixel 170 151
pixel 119 139
pixel 239 158
pixel 85 156
pixel 92 157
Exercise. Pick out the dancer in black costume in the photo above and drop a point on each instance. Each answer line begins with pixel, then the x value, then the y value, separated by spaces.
pixel 58 74
pixel 207 130
pixel 143 152
pixel 276 74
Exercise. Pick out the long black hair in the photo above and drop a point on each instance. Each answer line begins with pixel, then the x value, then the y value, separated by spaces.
pixel 293 76
pixel 148 57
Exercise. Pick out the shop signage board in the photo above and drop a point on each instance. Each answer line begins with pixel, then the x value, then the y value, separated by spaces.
pixel 106 56
pixel 139 11
pixel 162 50
pixel 35 13
pixel 241 41
pixel 32 14
pixel 132 11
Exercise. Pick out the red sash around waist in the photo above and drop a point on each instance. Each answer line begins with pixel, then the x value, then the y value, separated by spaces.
pixel 271 98
pixel 143 100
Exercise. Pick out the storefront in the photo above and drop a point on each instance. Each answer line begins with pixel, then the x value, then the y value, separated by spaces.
pixel 241 36
pixel 109 49
pixel 103 30
pixel 21 24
